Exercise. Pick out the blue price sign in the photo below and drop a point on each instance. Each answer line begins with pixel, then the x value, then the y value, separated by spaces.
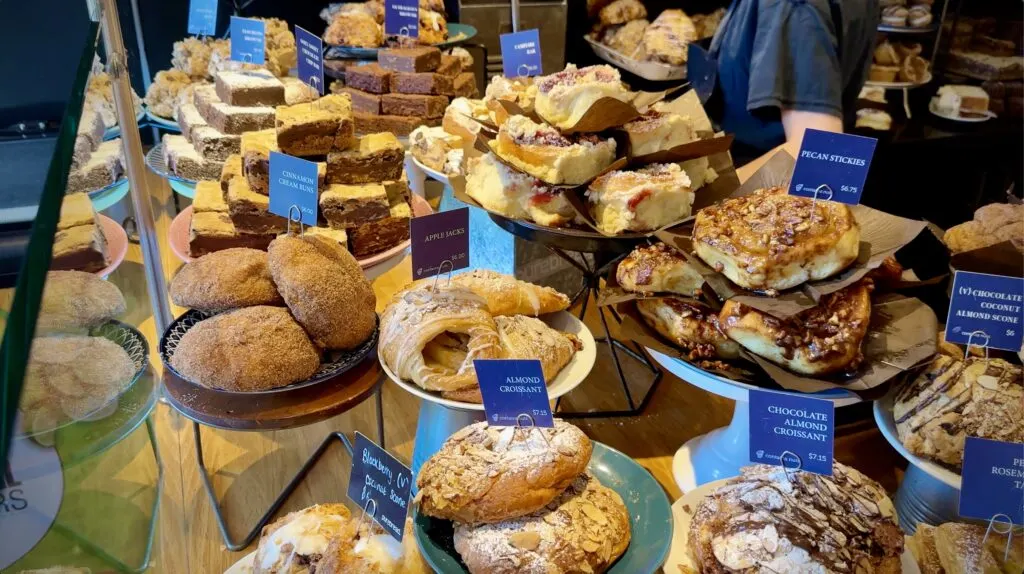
pixel 520 54
pixel 801 425
pixel 992 480
pixel 380 484
pixel 311 58
pixel 402 18
pixel 438 238
pixel 986 310
pixel 293 185
pixel 247 40
pixel 202 17
pixel 833 165
pixel 512 388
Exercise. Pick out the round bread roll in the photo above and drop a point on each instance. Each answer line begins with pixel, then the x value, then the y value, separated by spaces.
pixel 295 544
pixel 325 289
pixel 585 529
pixel 225 279
pixel 71 377
pixel 770 240
pixel 488 474
pixel 246 350
pixel 76 301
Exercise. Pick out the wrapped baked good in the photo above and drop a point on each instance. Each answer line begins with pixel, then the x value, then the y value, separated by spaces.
pixel 770 240
pixel 541 151
pixel 955 398
pixel 690 325
pixel 658 131
pixel 514 194
pixel 485 474
pixel 770 519
pixel 668 36
pixel 627 38
pixel 658 269
pixel 585 529
pixel 564 97
pixel 646 199
pixel 297 542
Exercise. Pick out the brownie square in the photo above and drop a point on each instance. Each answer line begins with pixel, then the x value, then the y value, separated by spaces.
pixel 449 66
pixel 464 85
pixel 369 78
pixel 418 59
pixel 214 144
pixel 231 119
pixel 185 162
pixel 232 168
pixel 381 234
pixel 188 118
pixel 345 206
pixel 413 105
pixel 209 197
pixel 211 231
pixel 256 148
pixel 249 88
pixel 250 211
pixel 363 102
pixel 399 125
pixel 312 129
pixel 398 189
pixel 421 83
pixel 376 157
pixel 338 235
pixel 80 248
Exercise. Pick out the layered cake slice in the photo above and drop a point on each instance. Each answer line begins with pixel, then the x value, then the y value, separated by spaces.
pixel 231 119
pixel 250 211
pixel 249 88
pixel 375 157
pixel 185 162
pixel 346 206
pixel 212 231
pixel 102 168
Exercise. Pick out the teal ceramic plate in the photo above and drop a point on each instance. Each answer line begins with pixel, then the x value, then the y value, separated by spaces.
pixel 115 131
pixel 650 518
pixel 105 197
pixel 457 34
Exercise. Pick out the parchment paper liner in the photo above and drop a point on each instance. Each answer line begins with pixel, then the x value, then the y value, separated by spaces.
pixel 882 235
pixel 607 112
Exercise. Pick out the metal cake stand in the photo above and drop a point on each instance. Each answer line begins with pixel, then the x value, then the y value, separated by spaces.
pixel 572 245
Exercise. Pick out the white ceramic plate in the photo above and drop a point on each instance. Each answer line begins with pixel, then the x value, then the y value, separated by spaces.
pixel 887 424
pixel 570 377
pixel 654 71
pixel 679 554
pixel 243 566
pixel 935 110
pixel 434 174
pixel 895 85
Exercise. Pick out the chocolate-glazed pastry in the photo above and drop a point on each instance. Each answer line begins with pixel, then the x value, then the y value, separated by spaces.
pixel 774 520
pixel 954 399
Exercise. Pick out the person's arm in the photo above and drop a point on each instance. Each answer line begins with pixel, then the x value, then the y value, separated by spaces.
pixel 794 122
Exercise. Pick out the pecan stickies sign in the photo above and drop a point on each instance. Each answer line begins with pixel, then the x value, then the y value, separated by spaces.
pixel 514 392
pixel 785 423
pixel 438 240
pixel 381 485
pixel 986 310
pixel 832 166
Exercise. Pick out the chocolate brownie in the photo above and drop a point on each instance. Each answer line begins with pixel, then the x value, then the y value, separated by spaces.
pixel 214 144
pixel 250 211
pixel 419 59
pixel 378 235
pixel 398 189
pixel 377 157
pixel 369 78
pixel 231 119
pixel 450 66
pixel 232 168
pixel 187 116
pixel 363 102
pixel 256 148
pixel 249 88
pixel 421 83
pixel 413 105
pixel 185 162
pixel 338 235
pixel 208 197
pixel 313 128
pixel 399 125
pixel 211 231
pixel 345 206
pixel 465 85
pixel 80 248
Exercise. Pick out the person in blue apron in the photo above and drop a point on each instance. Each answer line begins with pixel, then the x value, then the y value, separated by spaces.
pixel 778 67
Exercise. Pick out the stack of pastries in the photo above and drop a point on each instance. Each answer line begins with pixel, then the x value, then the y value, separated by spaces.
pixel 954 547
pixel 534 157
pixel 274 313
pixel 433 330
pixel 523 501
pixel 327 539
pixel 769 519
pixel 765 242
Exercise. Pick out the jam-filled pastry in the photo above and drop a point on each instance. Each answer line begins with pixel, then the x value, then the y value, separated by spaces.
pixel 770 240
pixel 658 131
pixel 642 200
pixel 514 194
pixel 821 340
pixel 563 98
pixel 690 325
pixel 543 152
pixel 667 38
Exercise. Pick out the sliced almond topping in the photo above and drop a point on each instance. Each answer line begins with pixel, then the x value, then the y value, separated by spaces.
pixel 594 513
pixel 591 546
pixel 989 382
pixel 525 540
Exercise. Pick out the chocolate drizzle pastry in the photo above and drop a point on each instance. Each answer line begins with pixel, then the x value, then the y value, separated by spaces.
pixel 953 399
pixel 769 520
pixel 488 474
pixel 584 530
pixel 770 240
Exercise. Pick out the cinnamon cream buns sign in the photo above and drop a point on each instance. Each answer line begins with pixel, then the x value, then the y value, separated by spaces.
pixel 440 242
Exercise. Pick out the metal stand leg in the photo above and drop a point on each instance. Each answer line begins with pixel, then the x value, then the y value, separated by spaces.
pixel 96 550
pixel 592 284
